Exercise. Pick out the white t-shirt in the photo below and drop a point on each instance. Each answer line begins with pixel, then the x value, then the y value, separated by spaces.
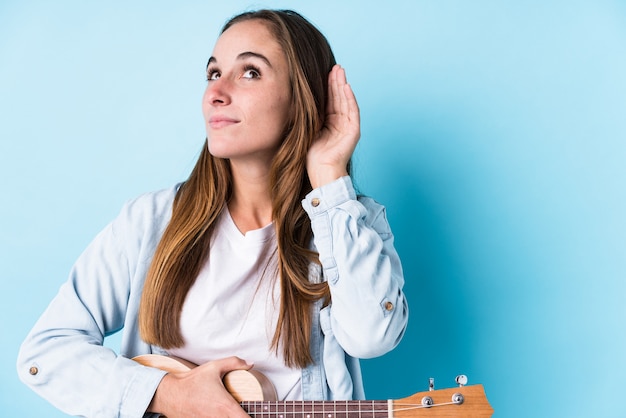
pixel 232 308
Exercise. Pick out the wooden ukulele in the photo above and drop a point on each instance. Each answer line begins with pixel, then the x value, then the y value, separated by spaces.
pixel 257 397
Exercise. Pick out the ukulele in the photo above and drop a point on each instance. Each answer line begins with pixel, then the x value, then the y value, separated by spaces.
pixel 257 396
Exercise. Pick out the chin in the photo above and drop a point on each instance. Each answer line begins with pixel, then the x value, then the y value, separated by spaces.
pixel 219 150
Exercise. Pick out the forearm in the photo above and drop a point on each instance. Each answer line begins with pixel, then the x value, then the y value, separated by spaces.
pixel 63 358
pixel 81 377
pixel 362 268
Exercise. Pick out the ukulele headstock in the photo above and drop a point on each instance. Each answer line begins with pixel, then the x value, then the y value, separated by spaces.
pixel 461 401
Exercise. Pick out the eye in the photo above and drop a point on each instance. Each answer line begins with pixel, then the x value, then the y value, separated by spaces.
pixel 251 73
pixel 212 75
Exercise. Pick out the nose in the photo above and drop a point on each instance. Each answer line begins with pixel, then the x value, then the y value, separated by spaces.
pixel 217 92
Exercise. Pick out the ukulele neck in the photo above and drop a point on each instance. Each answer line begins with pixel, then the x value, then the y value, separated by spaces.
pixel 318 409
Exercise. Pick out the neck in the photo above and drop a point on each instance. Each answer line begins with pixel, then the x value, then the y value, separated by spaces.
pixel 250 205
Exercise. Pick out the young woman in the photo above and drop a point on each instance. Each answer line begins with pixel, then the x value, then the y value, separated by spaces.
pixel 265 257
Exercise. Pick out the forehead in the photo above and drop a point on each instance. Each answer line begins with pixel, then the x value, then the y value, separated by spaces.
pixel 247 36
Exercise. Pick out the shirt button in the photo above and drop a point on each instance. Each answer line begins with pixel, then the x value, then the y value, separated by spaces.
pixel 389 306
pixel 33 370
pixel 315 202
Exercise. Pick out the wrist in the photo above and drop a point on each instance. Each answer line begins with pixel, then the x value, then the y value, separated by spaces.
pixel 161 399
pixel 324 176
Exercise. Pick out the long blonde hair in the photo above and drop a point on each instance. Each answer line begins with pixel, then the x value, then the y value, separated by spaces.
pixel 184 246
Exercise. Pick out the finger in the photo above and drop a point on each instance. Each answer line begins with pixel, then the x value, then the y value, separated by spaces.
pixel 341 82
pixel 344 99
pixel 229 364
pixel 332 104
pixel 351 103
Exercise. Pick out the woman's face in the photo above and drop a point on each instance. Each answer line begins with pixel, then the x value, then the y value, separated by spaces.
pixel 246 105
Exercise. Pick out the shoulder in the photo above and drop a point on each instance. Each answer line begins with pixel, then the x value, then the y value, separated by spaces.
pixel 147 213
pixel 153 203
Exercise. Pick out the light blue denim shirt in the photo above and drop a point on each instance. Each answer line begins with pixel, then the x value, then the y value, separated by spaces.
pixel 63 358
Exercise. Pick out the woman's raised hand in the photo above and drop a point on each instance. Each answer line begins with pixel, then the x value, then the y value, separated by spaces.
pixel 329 155
pixel 199 392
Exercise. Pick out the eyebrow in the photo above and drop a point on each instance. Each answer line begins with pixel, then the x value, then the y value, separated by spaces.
pixel 244 55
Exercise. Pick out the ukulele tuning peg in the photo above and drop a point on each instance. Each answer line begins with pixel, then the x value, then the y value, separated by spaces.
pixel 427 401
pixel 461 380
pixel 458 398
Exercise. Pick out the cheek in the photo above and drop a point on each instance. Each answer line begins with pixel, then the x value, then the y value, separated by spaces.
pixel 269 112
pixel 282 111
pixel 277 120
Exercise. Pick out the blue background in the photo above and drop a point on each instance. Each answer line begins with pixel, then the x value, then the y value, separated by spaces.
pixel 494 132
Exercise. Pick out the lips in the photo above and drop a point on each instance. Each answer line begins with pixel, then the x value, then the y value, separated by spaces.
pixel 219 121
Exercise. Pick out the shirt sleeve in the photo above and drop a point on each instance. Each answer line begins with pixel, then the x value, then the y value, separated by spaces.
pixel 63 359
pixel 369 312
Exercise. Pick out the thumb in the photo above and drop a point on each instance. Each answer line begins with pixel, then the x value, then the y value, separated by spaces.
pixel 229 364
